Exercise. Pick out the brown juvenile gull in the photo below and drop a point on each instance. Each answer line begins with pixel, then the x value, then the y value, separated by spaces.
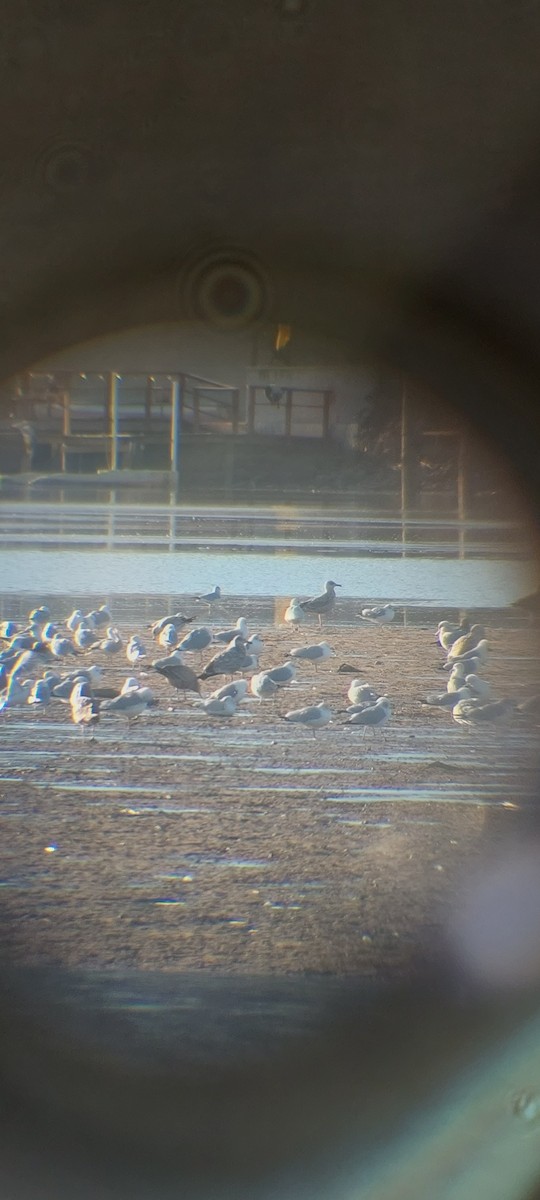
pixel 322 605
pixel 181 677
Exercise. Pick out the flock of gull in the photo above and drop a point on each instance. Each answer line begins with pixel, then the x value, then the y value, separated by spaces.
pixel 39 647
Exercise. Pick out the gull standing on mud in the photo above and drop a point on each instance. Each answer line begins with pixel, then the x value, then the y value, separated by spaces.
pixel 315 654
pixel 168 637
pixel 135 651
pixel 282 675
pixel 84 709
pixel 130 703
pixel 322 605
pixel 263 686
pixel 226 635
pixel 372 717
pixel 294 613
pixel 196 640
pixel 313 717
pixel 211 598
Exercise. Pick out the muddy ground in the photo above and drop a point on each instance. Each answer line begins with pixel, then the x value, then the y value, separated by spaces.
pixel 249 846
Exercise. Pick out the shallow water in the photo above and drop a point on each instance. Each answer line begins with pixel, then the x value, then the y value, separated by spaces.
pixel 75 549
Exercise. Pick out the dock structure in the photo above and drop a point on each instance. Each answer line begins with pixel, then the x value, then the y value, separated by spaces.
pixel 122 419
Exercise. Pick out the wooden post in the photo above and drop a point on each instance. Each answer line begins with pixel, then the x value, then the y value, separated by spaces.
pixel 405 463
pixel 148 397
pixel 235 407
pixel 288 412
pixel 251 409
pixel 327 400
pixel 177 393
pixel 462 487
pixel 112 415
pixel 66 426
pixel 196 411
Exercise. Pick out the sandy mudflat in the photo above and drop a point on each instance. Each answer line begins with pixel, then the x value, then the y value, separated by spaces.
pixel 247 845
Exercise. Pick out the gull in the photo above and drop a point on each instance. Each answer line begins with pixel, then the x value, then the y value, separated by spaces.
pixel 314 654
pixel 322 605
pixel 447 633
pixel 448 699
pixel 210 598
pixel 181 677
pixel 479 688
pixel 130 703
pixel 177 619
pixel 168 637
pixel 381 614
pixel 294 613
pixel 135 651
pixel 28 658
pixel 234 658
pixel 40 616
pixel 60 647
pixel 254 645
pixel 99 616
pixel 84 709
pixel 263 686
pixel 237 689
pixel 314 716
pixel 475 712
pixel 359 692
pixel 226 635
pixel 478 652
pixel 196 640
pixel 112 643
pixel 456 678
pixel 49 631
pixel 84 636
pixel 62 691
pixel 224 706
pixel 40 694
pixel 282 675
pixel 373 716
pixel 468 642
pixel 8 629
pixel 74 620
pixel 16 694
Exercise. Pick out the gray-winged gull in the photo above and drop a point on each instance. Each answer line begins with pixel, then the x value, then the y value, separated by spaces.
pixel 314 654
pixel 313 717
pixel 360 692
pixel 282 675
pixel 112 643
pixel 177 619
pixel 135 651
pixel 237 689
pixel 168 637
pixel 219 707
pixel 226 635
pixel 372 717
pixel 263 686
pixel 380 614
pixel 196 640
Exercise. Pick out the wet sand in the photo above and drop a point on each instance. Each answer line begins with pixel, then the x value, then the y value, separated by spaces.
pixel 247 846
